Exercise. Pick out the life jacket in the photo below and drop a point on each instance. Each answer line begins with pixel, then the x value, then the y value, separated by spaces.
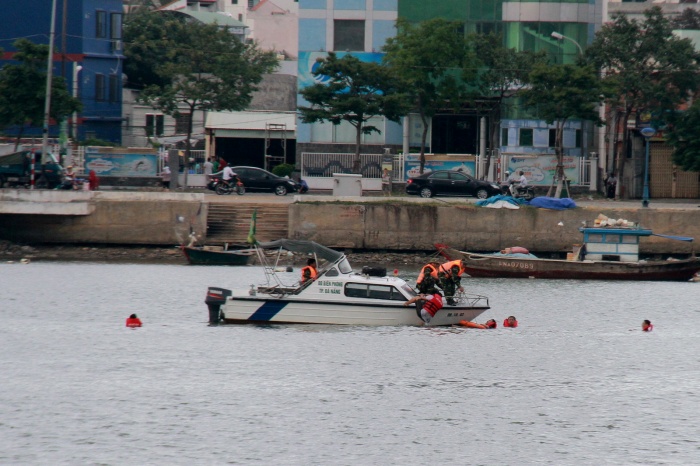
pixel 508 324
pixel 519 250
pixel 312 273
pixel 433 305
pixel 421 275
pixel 447 268
pixel 649 328
pixel 133 322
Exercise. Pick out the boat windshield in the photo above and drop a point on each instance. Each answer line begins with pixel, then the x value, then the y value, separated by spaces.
pixel 344 266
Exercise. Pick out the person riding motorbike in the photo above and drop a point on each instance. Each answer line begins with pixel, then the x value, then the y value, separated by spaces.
pixel 522 184
pixel 229 177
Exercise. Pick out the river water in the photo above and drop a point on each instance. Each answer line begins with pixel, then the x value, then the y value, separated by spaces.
pixel 576 383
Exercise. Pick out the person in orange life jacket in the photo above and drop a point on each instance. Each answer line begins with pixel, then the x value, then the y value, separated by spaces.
pixel 511 321
pixel 491 323
pixel 452 281
pixel 646 326
pixel 427 279
pixel 133 321
pixel 309 272
pixel 427 305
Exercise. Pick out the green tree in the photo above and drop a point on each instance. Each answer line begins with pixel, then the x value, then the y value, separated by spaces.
pixel 684 136
pixel 560 93
pixel 436 65
pixel 355 92
pixel 688 19
pixel 203 67
pixel 506 72
pixel 647 69
pixel 23 90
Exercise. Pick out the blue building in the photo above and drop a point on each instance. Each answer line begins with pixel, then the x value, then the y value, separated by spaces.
pixel 88 53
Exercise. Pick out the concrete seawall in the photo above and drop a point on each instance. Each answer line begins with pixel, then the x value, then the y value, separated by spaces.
pixel 353 223
pixel 418 226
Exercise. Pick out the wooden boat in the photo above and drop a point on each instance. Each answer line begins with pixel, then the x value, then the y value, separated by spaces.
pixel 607 254
pixel 336 296
pixel 213 255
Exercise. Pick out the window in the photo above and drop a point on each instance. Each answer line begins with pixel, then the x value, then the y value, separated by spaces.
pixel 552 138
pixel 113 88
pixel 101 24
pixel 154 125
pixel 234 2
pixel 440 176
pixel 578 138
pixel 115 26
pixel 357 290
pixel 349 35
pixel 504 136
pixel 99 87
pixel 182 123
pixel 525 137
pixel 614 239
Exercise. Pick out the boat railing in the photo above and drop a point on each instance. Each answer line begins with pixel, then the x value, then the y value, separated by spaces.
pixel 469 299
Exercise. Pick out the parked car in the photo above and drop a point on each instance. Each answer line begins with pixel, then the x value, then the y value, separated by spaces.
pixel 450 183
pixel 257 179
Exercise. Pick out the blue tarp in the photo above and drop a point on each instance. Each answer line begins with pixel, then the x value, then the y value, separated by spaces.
pixel 501 197
pixel 553 203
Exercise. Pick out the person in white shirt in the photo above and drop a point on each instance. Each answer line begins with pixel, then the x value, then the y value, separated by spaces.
pixel 229 175
pixel 522 179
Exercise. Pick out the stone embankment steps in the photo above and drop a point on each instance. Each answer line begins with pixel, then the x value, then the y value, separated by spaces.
pixel 230 223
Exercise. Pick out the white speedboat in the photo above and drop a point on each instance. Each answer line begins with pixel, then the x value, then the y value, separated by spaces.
pixel 337 295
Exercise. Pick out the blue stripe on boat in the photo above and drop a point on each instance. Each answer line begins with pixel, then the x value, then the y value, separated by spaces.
pixel 268 310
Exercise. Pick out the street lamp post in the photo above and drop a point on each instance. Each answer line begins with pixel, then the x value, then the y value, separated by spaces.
pixel 76 69
pixel 648 133
pixel 559 36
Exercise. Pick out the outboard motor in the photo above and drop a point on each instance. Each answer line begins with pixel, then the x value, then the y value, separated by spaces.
pixel 215 298
pixel 374 271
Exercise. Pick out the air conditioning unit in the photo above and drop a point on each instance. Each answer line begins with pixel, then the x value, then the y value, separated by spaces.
pixel 117 45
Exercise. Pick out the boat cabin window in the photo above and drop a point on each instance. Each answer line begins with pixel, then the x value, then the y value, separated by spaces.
pixel 331 273
pixel 612 238
pixel 360 290
pixel 595 238
pixel 627 239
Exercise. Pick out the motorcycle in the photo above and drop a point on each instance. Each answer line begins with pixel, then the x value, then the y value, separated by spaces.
pixel 218 185
pixel 514 190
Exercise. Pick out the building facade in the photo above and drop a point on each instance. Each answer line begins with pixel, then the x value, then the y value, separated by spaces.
pixel 87 53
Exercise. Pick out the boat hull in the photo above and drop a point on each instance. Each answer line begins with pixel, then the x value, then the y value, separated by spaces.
pixel 491 266
pixel 200 256
pixel 252 310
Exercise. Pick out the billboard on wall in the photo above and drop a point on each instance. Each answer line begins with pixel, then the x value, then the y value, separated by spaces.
pixel 412 165
pixel 115 164
pixel 539 169
pixel 308 62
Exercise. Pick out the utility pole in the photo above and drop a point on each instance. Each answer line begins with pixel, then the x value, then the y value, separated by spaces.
pixel 49 77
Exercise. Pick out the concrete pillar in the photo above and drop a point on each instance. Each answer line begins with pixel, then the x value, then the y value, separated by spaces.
pixel 593 170
pixel 406 133
pixel 482 148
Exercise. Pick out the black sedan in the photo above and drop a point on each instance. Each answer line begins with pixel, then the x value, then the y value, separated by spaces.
pixel 257 179
pixel 450 183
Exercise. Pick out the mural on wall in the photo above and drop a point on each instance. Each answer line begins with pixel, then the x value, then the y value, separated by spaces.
pixel 308 63
pixel 412 166
pixel 110 164
pixel 539 170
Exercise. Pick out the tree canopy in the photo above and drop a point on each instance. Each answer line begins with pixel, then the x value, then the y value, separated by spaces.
pixel 646 67
pixel 505 73
pixel 23 89
pixel 436 65
pixel 197 66
pixel 355 92
pixel 684 136
pixel 560 93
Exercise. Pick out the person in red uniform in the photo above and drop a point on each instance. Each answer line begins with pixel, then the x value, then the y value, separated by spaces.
pixel 310 271
pixel 427 305
pixel 133 321
pixel 646 326
pixel 511 321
